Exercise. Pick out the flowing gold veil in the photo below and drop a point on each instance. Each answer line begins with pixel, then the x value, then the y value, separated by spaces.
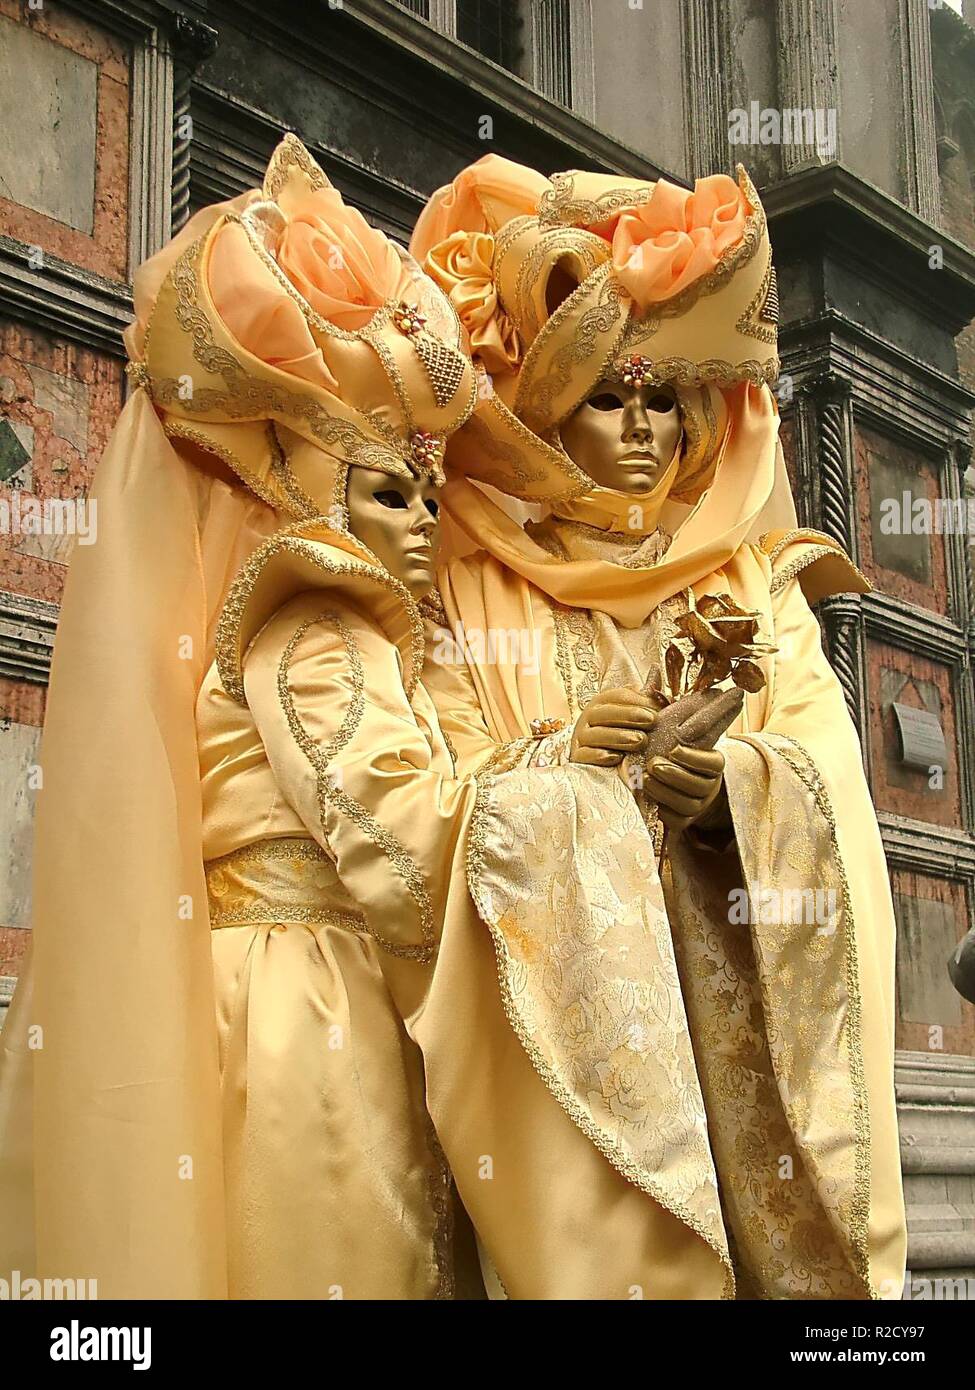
pixel 109 1097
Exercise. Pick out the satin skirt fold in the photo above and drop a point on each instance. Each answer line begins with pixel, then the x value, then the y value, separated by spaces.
pixel 336 1187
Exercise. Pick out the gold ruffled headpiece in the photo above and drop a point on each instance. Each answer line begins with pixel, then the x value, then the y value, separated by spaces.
pixel 563 282
pixel 293 341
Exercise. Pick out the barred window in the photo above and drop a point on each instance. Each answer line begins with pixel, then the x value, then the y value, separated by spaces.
pixel 547 42
pixel 494 29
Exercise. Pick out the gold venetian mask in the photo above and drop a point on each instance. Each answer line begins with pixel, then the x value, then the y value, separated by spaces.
pixel 398 519
pixel 624 435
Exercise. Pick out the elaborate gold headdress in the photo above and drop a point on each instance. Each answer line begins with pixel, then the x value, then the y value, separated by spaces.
pixel 567 281
pixel 293 341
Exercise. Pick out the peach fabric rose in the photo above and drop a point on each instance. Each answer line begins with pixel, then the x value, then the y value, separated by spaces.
pixel 462 267
pixel 481 198
pixel 259 313
pixel 343 267
pixel 677 236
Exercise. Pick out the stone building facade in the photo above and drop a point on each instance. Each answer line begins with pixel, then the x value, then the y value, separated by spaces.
pixel 857 120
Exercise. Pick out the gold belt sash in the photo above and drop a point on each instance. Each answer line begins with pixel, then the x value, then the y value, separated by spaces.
pixel 290 879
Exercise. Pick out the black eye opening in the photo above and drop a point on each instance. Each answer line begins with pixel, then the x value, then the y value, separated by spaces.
pixel 661 402
pixel 389 497
pixel 605 401
pixel 432 506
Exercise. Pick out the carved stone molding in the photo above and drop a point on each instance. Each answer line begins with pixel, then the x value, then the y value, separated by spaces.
pixel 705 40
pixel 936 1117
pixel 920 127
pixel 807 71
pixel 844 634
pixel 64 299
pixel 193 43
pixel 27 627
pixel 835 489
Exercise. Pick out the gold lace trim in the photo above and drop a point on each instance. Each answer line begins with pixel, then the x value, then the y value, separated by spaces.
pixel 331 796
pixel 179 429
pixel 254 905
pixel 290 153
pixel 517 465
pixel 807 772
pixel 826 548
pixel 629 1170
pixel 563 660
pixel 749 323
pixel 538 389
pixel 247 397
pixel 584 244
pixel 439 1184
pixel 303 505
pixel 799 533
pixel 229 656
pixel 696 447
pixel 557 204
pixel 432 607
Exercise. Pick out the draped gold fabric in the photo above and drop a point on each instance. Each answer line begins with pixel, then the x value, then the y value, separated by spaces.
pixel 110 1161
pixel 790 1016
pixel 561 1143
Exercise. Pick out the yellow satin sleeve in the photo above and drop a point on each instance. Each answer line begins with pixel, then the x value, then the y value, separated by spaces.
pixel 325 688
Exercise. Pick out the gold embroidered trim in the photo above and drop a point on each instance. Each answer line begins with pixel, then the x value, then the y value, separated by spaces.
pixel 314 320
pixel 276 910
pixel 138 374
pixel 697 448
pixel 504 238
pixel 567 241
pixel 247 397
pixel 681 371
pixel 727 267
pixel 517 466
pixel 289 154
pixel 440 1182
pixel 229 656
pixel 432 607
pixel 539 388
pixel 797 534
pixel 629 1170
pixel 331 796
pixel 179 429
pixel 749 323
pixel 302 504
pixel 826 548
pixel 382 350
pixel 563 660
pixel 557 204
pixel 807 772
pixel 507 756
pixel 781 577
pixel 277 906
pixel 580 624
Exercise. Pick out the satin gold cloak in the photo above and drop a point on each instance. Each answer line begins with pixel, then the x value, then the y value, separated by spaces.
pixel 572 1192
pixel 791 1022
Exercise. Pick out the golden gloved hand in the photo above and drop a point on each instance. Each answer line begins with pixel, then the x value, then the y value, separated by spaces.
pixel 613 724
pixel 685 785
